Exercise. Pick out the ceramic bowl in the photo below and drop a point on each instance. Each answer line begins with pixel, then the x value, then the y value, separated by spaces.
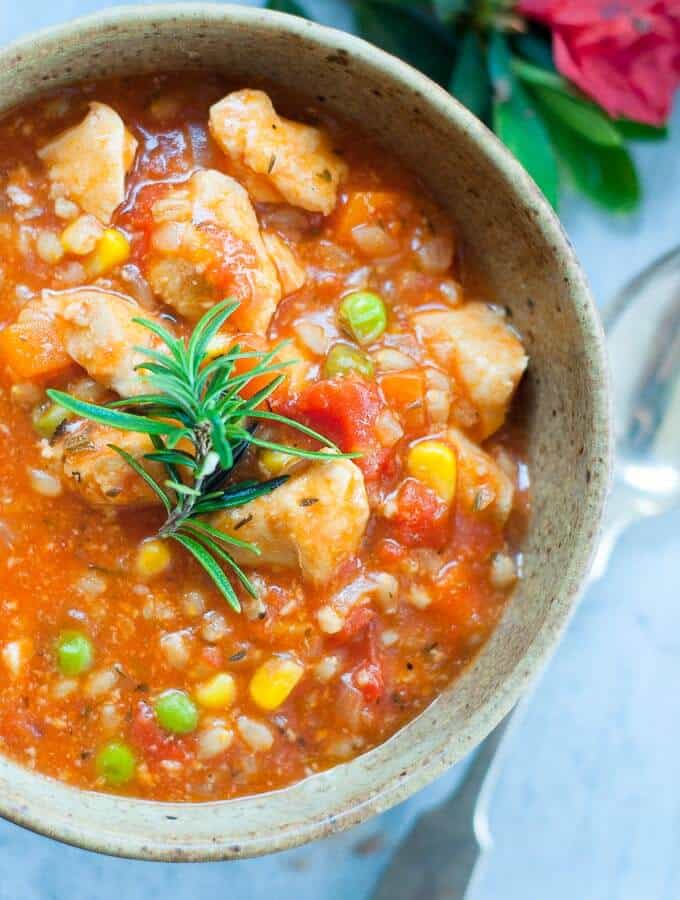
pixel 513 238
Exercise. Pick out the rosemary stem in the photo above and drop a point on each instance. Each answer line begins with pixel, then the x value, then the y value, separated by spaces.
pixel 185 504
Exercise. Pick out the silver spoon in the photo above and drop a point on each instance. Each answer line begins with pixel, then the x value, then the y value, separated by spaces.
pixel 439 856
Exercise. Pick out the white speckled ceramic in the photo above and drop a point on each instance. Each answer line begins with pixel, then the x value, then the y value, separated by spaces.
pixel 517 243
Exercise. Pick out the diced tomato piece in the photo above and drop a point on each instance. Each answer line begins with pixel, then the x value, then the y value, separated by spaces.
pixel 422 519
pixel 152 741
pixel 342 409
pixel 138 219
pixel 369 676
pixel 370 681
pixel 345 411
pixel 359 619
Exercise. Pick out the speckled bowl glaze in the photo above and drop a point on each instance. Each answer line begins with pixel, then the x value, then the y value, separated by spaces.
pixel 514 239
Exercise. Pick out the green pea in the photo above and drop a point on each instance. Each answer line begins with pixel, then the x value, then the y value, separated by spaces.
pixel 116 763
pixel 47 418
pixel 364 316
pixel 343 359
pixel 176 712
pixel 74 653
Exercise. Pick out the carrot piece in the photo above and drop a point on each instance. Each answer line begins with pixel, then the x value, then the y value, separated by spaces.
pixel 33 349
pixel 363 208
pixel 404 392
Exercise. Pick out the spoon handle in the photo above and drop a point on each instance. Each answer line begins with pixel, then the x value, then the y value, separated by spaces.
pixel 438 858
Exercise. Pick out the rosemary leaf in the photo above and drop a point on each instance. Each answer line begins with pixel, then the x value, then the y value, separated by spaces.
pixel 284 420
pixel 183 489
pixel 199 403
pixel 240 574
pixel 239 495
pixel 173 344
pixel 106 416
pixel 199 552
pixel 144 475
pixel 205 331
pixel 198 525
pixel 175 457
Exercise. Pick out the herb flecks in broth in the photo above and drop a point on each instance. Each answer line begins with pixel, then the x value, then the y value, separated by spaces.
pixel 130 209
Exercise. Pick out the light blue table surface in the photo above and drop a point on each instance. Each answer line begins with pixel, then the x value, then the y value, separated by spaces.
pixel 588 805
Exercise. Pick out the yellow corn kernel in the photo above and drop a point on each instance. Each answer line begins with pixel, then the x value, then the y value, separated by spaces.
pixel 273 681
pixel 112 249
pixel 80 236
pixel 217 692
pixel 434 464
pixel 153 558
pixel 276 462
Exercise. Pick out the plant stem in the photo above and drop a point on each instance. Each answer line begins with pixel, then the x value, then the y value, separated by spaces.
pixel 205 468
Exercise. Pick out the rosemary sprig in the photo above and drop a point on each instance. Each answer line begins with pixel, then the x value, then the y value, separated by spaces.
pixel 200 424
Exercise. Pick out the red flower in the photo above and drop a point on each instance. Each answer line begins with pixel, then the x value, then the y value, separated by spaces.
pixel 625 54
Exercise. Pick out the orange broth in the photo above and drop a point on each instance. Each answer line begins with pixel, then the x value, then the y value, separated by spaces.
pixel 64 565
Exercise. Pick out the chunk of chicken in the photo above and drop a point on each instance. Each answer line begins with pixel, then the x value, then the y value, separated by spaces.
pixel 99 474
pixel 276 159
pixel 312 523
pixel 291 274
pixel 475 344
pixel 206 245
pixel 88 163
pixel 96 330
pixel 481 483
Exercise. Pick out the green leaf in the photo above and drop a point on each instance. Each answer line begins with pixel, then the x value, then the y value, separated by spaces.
pixel 112 417
pixel 470 79
pixel 566 103
pixel 449 11
pixel 535 46
pixel 284 420
pixel 517 123
pixel 144 475
pixel 533 74
pixel 220 443
pixel 639 131
pixel 240 494
pixel 160 447
pixel 222 554
pixel 412 38
pixel 182 489
pixel 205 529
pixel 604 174
pixel 580 115
pixel 174 345
pixel 264 392
pixel 172 440
pixel 205 330
pixel 173 457
pixel 140 400
pixel 165 363
pixel 303 454
pixel 222 365
pixel 211 567
pixel 287 6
